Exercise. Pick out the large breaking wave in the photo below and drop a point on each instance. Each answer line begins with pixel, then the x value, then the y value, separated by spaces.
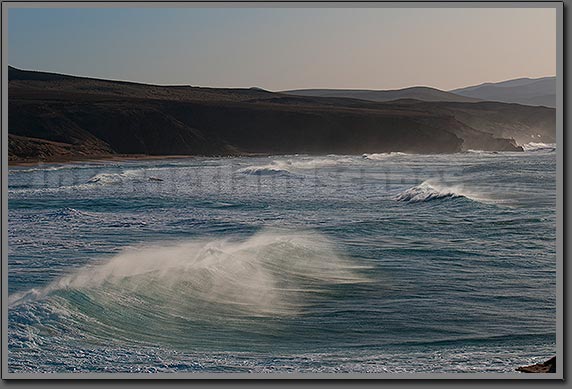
pixel 179 288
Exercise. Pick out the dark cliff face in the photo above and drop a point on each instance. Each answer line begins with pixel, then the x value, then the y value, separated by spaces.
pixel 101 117
pixel 161 128
pixel 520 122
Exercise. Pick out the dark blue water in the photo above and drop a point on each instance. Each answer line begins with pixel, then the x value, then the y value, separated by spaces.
pixel 375 263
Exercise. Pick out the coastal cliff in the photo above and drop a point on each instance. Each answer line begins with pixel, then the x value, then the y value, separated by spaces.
pixel 54 117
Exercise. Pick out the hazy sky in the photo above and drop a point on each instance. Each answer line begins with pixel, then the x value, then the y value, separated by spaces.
pixel 280 48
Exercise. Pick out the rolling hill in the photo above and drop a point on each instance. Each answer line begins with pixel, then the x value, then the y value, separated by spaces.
pixel 529 91
pixel 422 93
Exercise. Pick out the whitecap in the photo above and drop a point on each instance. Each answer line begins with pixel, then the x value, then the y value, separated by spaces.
pixel 432 190
pixel 538 146
pixel 292 167
pixel 382 156
pixel 112 178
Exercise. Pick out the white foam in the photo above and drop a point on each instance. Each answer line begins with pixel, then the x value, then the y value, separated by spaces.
pixel 50 168
pixel 432 190
pixel 113 178
pixel 538 146
pixel 274 168
pixel 267 274
pixel 100 179
pixel 382 156
pixel 294 166
pixel 471 151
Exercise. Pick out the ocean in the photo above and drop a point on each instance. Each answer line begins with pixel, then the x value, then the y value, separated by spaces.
pixel 375 263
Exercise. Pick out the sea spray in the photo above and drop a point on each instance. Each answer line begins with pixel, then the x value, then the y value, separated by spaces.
pixel 436 269
pixel 269 274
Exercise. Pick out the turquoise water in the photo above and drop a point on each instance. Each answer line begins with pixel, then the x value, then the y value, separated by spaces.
pixel 373 263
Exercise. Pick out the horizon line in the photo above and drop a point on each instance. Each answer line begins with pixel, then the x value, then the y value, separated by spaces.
pixel 275 91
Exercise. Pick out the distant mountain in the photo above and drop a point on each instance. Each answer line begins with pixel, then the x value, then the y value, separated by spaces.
pixel 529 91
pixel 421 93
pixel 57 117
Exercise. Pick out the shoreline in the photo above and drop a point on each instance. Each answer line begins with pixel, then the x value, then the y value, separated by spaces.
pixel 142 157
pixel 98 158
pixel 146 157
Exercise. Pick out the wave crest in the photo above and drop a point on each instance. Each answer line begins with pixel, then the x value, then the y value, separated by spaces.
pixel 382 156
pixel 270 274
pixel 263 170
pixel 538 146
pixel 112 178
pixel 430 190
pixel 290 167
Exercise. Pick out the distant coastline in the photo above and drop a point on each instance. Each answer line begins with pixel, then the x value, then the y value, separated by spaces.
pixel 59 118
pixel 144 157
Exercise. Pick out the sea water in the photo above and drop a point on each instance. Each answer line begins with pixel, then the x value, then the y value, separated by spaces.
pixel 369 263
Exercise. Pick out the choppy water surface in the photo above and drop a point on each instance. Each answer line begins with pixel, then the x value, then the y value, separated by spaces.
pixel 373 263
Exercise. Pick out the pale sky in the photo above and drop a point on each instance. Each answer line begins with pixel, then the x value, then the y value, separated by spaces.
pixel 288 48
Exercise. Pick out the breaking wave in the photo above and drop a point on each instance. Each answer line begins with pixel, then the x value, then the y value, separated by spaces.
pixel 100 179
pixel 537 146
pixel 264 170
pixel 290 167
pixel 481 152
pixel 382 156
pixel 113 178
pixel 145 291
pixel 430 190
